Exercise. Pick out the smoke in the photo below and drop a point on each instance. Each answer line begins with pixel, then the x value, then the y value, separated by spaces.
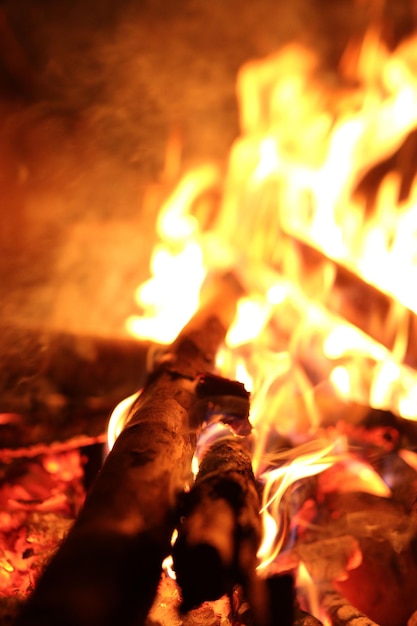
pixel 90 92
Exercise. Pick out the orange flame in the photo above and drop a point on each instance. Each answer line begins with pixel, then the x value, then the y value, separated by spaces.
pixel 307 141
pixel 307 460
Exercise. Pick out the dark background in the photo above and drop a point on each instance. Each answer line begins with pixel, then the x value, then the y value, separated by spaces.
pixel 91 91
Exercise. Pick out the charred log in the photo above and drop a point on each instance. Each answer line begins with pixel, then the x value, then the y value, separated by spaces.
pixel 283 608
pixel 107 571
pixel 221 529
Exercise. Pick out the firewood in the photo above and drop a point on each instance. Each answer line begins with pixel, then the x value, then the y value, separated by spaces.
pixel 107 571
pixel 56 386
pixel 283 608
pixel 302 618
pixel 221 528
pixel 341 612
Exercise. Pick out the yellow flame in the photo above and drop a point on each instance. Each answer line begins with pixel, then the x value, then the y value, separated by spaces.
pixel 307 461
pixel 118 419
pixel 249 322
pixel 305 584
pixel 295 177
pixel 168 562
pixel 171 297
pixel 353 474
pixel 341 379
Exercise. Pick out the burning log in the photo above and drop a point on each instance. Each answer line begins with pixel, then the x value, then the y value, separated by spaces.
pixel 349 296
pixel 221 528
pixel 220 535
pixel 341 612
pixel 107 571
pixel 284 609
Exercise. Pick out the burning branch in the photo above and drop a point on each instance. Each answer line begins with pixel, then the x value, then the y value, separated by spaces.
pixel 107 571
pixel 220 536
pixel 221 529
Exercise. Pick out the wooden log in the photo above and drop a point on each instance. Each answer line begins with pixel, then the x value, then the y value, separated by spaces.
pixel 341 612
pixel 107 571
pixel 221 529
pixel 282 605
pixel 58 386
pixel 349 296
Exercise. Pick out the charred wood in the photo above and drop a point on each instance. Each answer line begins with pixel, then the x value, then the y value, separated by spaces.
pixel 107 571
pixel 349 295
pixel 281 599
pixel 221 529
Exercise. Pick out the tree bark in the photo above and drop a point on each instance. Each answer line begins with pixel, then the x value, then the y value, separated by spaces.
pixel 107 571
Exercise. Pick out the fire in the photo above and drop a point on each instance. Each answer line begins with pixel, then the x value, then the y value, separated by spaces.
pixel 294 222
pixel 171 296
pixel 308 460
pixel 118 419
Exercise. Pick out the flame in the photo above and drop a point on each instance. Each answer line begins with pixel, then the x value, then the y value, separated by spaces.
pixel 308 460
pixel 168 562
pixel 118 419
pixel 295 188
pixel 171 296
pixel 308 590
pixel 352 474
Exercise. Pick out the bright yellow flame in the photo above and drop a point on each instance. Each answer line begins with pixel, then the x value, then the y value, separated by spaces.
pixel 194 466
pixel 277 293
pixel 250 320
pixel 352 475
pixel 346 339
pixel 171 296
pixel 270 531
pixel 168 562
pixel 293 180
pixel 341 380
pixel 175 223
pixel 118 418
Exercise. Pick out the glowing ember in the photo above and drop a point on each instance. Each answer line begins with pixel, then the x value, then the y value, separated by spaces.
pixel 39 499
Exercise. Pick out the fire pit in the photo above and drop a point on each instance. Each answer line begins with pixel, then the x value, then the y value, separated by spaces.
pixel 261 465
